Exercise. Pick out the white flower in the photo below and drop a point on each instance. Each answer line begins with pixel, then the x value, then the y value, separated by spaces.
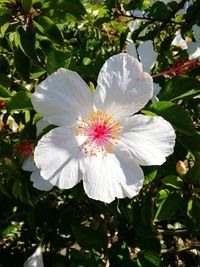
pixel 35 260
pixel 147 56
pixel 179 41
pixel 29 165
pixel 193 48
pixel 98 140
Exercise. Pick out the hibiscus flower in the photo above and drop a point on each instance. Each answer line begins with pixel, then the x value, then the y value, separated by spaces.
pixel 193 48
pixel 98 140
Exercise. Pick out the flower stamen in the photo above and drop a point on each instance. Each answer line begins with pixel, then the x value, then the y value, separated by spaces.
pixel 101 131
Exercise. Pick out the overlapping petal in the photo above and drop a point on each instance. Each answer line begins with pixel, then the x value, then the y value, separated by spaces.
pixel 39 182
pixel 62 97
pixel 57 157
pixel 123 88
pixel 148 140
pixel 147 55
pixel 28 164
pixel 107 178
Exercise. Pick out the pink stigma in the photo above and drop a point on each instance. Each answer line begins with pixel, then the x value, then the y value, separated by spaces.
pixel 101 133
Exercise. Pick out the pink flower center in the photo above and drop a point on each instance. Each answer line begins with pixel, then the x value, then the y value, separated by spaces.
pixel 101 133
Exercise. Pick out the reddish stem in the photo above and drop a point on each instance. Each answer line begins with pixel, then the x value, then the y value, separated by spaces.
pixel 179 69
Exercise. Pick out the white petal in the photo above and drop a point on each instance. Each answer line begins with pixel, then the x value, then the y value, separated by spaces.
pixel 131 50
pixel 154 99
pixel 62 97
pixel 57 157
pixel 194 47
pixel 123 88
pixel 28 164
pixel 40 125
pixel 179 41
pixel 193 50
pixel 196 30
pixel 35 260
pixel 147 55
pixel 156 90
pixel 39 182
pixel 149 140
pixel 107 178
pixel 134 25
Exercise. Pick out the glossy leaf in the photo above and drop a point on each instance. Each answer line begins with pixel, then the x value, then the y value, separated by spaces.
pixel 180 88
pixel 74 7
pixel 159 11
pixel 193 176
pixel 4 94
pixel 169 207
pixel 50 29
pixel 175 114
pixel 149 259
pixel 22 63
pixel 173 181
pixel 27 5
pixel 20 101
pixel 57 59
pixel 27 41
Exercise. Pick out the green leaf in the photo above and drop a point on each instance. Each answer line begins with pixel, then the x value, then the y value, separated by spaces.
pixel 27 41
pixel 74 7
pixel 148 210
pixel 4 93
pixel 180 88
pixel 159 11
pixel 37 71
pixel 169 207
pixel 20 101
pixel 22 63
pixel 49 28
pixel 191 143
pixel 57 59
pixel 4 65
pixel 193 211
pixel 189 94
pixel 173 181
pixel 149 174
pixel 161 195
pixel 152 257
pixel 4 80
pixel 5 16
pixel 27 5
pixel 79 257
pixel 4 28
pixel 175 114
pixel 89 238
pixel 193 176
pixel 149 258
pixel 16 187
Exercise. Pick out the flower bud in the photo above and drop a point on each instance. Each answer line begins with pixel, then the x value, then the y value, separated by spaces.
pixel 2 104
pixel 24 148
pixel 1 125
pixel 181 168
